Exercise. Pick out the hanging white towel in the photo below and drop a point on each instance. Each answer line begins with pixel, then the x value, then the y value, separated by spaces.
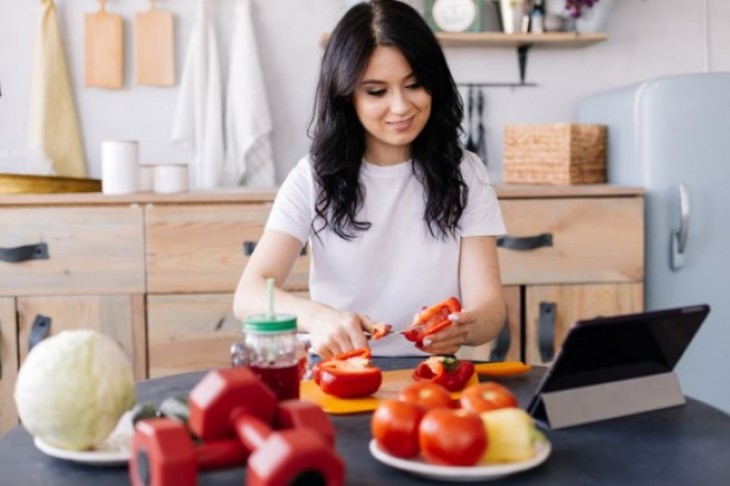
pixel 198 121
pixel 54 128
pixel 249 154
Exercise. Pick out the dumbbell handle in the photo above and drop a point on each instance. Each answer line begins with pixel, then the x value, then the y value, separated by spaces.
pixel 220 454
pixel 251 430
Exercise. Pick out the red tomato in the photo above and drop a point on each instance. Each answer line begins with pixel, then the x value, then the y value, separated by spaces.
pixel 427 395
pixel 487 396
pixel 452 437
pixel 395 426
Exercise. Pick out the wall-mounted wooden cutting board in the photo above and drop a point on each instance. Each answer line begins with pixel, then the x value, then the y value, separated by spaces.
pixel 154 47
pixel 104 49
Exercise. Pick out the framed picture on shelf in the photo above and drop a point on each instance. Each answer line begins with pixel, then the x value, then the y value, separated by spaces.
pixel 454 15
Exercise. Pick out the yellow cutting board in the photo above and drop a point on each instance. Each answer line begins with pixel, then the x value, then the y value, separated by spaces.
pixel 393 382
pixel 104 49
pixel 154 47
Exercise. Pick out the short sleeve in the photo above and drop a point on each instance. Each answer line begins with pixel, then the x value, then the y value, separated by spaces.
pixel 482 215
pixel 292 209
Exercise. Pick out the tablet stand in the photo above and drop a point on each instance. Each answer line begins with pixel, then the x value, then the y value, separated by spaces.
pixel 582 405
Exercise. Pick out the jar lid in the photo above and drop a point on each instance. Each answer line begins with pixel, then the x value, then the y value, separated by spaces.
pixel 270 323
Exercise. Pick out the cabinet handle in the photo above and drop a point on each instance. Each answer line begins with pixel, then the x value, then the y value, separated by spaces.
pixel 546 330
pixel 525 242
pixel 39 330
pixel 1 346
pixel 499 352
pixel 39 251
pixel 250 246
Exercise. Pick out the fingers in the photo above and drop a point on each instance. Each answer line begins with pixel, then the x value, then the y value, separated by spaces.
pixel 453 337
pixel 344 332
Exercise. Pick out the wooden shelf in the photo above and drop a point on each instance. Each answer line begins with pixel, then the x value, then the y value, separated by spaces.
pixel 499 39
pixel 522 42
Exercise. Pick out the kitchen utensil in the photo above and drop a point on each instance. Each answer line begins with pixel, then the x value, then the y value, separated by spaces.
pixel 502 368
pixel 470 144
pixel 481 148
pixel 35 184
pixel 154 48
pixel 393 382
pixel 104 49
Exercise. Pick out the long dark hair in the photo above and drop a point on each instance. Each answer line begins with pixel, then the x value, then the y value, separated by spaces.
pixel 338 137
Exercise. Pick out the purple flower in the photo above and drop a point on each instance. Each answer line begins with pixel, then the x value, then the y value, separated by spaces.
pixel 575 7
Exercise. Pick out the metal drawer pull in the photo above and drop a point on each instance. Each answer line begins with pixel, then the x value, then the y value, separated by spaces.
pixel 1 347
pixel 546 331
pixel 39 251
pixel 525 242
pixel 250 246
pixel 39 330
pixel 679 237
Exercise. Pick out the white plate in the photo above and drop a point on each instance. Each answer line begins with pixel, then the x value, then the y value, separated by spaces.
pixel 425 469
pixel 115 450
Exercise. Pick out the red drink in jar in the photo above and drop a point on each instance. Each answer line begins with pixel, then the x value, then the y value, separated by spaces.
pixel 283 380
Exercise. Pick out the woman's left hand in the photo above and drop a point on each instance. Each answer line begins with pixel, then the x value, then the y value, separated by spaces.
pixel 450 339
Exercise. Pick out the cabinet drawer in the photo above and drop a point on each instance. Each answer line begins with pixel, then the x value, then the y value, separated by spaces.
pixel 121 317
pixel 550 311
pixel 97 250
pixel 200 248
pixel 593 240
pixel 190 332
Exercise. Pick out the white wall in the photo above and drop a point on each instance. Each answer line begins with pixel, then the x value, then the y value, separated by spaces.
pixel 647 38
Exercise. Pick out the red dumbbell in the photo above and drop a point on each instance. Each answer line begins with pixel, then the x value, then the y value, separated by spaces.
pixel 234 402
pixel 287 456
pixel 163 454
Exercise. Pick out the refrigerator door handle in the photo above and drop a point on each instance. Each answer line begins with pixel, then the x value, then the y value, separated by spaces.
pixel 679 237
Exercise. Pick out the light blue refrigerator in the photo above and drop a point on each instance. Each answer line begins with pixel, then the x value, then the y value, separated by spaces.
pixel 671 135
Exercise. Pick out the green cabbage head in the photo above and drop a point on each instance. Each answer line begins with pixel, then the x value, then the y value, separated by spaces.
pixel 72 389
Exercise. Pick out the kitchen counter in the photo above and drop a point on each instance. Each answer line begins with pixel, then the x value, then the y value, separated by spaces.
pixel 504 191
pixel 680 445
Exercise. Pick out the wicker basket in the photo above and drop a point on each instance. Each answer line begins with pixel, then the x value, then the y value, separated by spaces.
pixel 555 154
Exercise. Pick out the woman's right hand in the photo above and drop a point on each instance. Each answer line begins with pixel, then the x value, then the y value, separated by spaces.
pixel 335 332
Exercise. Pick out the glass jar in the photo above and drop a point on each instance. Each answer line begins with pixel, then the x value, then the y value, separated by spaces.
pixel 271 349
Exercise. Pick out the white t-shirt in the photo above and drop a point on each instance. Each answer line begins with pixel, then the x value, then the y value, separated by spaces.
pixel 392 270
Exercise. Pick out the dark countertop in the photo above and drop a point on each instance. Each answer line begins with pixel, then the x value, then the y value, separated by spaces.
pixel 689 444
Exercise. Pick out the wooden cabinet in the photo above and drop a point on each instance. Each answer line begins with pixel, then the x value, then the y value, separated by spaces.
pixel 8 363
pixel 157 272
pixel 575 252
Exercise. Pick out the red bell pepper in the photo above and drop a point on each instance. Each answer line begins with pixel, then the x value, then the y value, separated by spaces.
pixel 431 320
pixel 348 375
pixel 451 373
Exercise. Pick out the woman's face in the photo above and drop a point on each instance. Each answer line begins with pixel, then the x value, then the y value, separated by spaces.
pixel 391 105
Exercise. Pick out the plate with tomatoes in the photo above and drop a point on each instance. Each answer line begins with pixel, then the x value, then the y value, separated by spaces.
pixel 479 472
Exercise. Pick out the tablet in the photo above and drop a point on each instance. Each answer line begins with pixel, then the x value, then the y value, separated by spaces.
pixel 611 349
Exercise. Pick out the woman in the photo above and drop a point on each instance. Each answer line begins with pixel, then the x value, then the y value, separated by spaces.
pixel 397 216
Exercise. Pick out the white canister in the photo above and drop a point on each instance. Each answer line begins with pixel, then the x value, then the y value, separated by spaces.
pixel 170 178
pixel 119 170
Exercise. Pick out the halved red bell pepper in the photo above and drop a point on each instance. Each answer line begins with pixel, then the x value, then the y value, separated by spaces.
pixel 431 320
pixel 451 373
pixel 348 375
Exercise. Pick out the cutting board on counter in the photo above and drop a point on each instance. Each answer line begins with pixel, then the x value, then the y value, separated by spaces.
pixel 104 49
pixel 393 382
pixel 154 47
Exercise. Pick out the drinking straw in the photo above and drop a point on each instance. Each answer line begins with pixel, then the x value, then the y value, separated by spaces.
pixel 270 288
